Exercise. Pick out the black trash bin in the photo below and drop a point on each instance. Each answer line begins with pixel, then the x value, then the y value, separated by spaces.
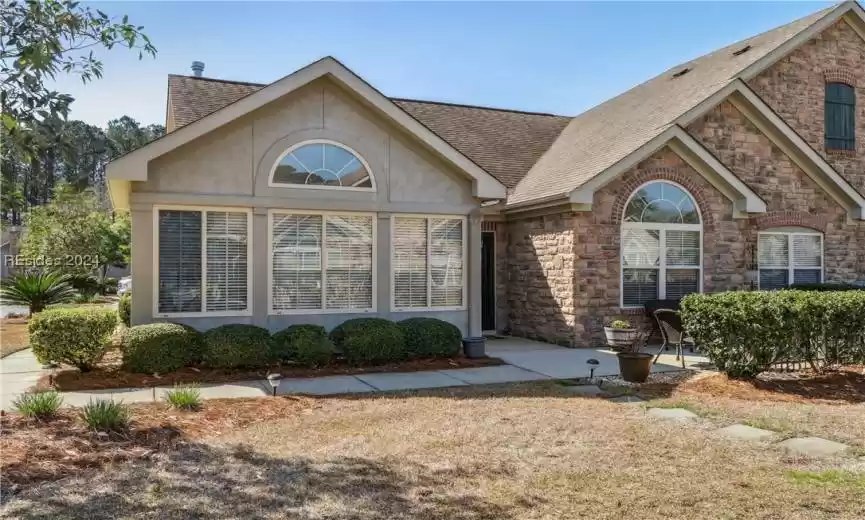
pixel 475 347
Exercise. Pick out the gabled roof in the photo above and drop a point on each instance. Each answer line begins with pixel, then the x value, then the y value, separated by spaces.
pixel 505 143
pixel 606 134
pixel 134 165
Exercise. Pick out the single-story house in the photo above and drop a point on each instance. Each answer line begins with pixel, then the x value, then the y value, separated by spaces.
pixel 317 198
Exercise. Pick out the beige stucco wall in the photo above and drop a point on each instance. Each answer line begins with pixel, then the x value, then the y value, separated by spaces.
pixel 231 167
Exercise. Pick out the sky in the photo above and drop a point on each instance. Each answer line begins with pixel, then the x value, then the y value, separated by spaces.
pixel 560 58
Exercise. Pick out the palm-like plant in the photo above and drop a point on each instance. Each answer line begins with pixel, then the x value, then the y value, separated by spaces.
pixel 36 290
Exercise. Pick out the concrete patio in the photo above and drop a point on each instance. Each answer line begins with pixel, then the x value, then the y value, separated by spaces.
pixel 526 360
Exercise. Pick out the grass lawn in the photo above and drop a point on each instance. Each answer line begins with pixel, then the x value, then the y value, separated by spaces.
pixel 13 335
pixel 527 451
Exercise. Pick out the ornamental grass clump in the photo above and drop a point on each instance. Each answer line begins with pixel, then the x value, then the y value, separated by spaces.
pixel 38 405
pixel 184 397
pixel 105 415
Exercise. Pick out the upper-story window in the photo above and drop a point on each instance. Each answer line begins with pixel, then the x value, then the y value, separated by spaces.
pixel 840 117
pixel 661 245
pixel 322 164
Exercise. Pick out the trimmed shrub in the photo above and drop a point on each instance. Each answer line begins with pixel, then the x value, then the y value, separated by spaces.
pixel 430 337
pixel 826 287
pixel 197 346
pixel 105 415
pixel 236 345
pixel 124 308
pixel 745 333
pixel 158 348
pixel 76 336
pixel 370 341
pixel 184 397
pixel 38 405
pixel 307 345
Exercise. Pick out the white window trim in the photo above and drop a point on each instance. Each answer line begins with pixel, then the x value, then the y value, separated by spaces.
pixel 429 306
pixel 285 312
pixel 203 210
pixel 297 146
pixel 662 246
pixel 790 267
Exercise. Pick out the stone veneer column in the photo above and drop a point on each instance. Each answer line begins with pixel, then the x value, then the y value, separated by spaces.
pixel 474 274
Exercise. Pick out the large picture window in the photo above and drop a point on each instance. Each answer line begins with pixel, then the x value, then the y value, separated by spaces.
pixel 428 263
pixel 202 261
pixel 321 262
pixel 840 117
pixel 661 245
pixel 786 258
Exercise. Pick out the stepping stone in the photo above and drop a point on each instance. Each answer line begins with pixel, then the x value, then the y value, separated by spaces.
pixel 585 390
pixel 627 399
pixel 745 432
pixel 673 414
pixel 813 446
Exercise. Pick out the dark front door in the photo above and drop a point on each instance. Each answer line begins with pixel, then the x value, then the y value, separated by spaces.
pixel 488 281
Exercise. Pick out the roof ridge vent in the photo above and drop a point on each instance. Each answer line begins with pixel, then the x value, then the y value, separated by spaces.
pixel 742 51
pixel 682 72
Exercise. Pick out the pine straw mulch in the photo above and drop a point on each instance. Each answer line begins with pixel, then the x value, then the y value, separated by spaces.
pixel 109 373
pixel 837 385
pixel 34 451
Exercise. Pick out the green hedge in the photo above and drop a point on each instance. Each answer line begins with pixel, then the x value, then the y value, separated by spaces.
pixel 307 345
pixel 370 341
pixel 826 287
pixel 236 346
pixel 158 348
pixel 74 336
pixel 124 308
pixel 431 337
pixel 744 333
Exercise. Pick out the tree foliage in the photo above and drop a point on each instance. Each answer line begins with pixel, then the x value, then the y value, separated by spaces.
pixel 41 39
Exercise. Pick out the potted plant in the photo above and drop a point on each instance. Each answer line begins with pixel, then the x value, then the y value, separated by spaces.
pixel 634 365
pixel 620 334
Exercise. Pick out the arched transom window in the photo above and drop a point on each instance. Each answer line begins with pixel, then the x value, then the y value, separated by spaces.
pixel 322 164
pixel 661 245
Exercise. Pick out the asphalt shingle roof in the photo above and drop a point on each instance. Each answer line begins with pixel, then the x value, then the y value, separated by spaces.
pixel 540 155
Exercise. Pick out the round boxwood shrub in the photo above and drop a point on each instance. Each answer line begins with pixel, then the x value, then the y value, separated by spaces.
pixel 370 341
pixel 236 345
pixel 197 346
pixel 124 308
pixel 76 336
pixel 158 348
pixel 307 345
pixel 430 337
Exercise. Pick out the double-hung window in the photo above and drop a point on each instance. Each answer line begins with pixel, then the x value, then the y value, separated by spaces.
pixel 661 245
pixel 321 262
pixel 202 261
pixel 428 262
pixel 786 258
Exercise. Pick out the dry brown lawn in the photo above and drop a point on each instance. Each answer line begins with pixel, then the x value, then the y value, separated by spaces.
pixel 528 451
pixel 13 335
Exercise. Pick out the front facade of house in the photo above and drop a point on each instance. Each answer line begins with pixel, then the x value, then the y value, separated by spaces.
pixel 316 199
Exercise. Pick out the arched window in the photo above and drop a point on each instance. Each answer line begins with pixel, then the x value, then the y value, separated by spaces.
pixel 322 164
pixel 840 117
pixel 661 245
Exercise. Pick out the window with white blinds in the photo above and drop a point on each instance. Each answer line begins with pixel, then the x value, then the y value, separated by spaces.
pixel 321 262
pixel 785 258
pixel 428 263
pixel 661 245
pixel 202 261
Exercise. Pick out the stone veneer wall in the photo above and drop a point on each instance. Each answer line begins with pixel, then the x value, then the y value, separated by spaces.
pixel 795 89
pixel 540 292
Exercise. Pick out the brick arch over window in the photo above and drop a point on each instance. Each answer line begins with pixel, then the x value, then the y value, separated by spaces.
pixel 840 75
pixel 790 218
pixel 676 175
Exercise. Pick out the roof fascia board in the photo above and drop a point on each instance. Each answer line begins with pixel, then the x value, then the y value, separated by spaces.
pixel 133 166
pixel 814 165
pixel 531 204
pixel 847 8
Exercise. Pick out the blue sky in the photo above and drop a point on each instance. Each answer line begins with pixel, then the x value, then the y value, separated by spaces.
pixel 550 57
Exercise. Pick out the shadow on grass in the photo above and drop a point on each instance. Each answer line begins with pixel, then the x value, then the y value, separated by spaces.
pixel 201 481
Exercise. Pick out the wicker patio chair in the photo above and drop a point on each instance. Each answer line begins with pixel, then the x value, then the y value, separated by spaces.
pixel 672 332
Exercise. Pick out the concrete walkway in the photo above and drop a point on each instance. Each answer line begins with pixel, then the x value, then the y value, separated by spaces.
pixel 526 361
